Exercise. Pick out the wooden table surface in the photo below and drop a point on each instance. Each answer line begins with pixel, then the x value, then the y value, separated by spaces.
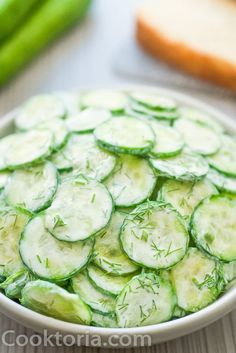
pixel 85 57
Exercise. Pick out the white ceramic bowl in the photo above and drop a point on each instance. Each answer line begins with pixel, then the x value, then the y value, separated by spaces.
pixel 119 337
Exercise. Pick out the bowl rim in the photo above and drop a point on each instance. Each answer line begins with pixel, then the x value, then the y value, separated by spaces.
pixel 223 305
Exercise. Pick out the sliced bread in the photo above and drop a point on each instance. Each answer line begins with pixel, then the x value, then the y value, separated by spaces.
pixel 198 36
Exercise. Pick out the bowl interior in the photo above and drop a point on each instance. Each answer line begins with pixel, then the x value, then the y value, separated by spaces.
pixel 160 332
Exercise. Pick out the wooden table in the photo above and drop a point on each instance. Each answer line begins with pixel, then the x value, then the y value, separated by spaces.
pixel 84 57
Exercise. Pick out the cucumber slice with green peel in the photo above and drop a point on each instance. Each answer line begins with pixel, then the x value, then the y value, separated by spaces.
pixel 125 135
pixel 83 155
pixel 90 159
pixel 222 181
pixel 96 299
pixel 32 189
pixel 39 109
pixel 154 101
pixel 106 282
pixel 108 254
pixel 146 300
pixel 105 99
pixel 87 120
pixel 71 173
pixel 186 166
pixel 64 158
pixel 101 320
pixel 3 179
pixel 162 115
pixel 146 117
pixel 169 142
pixel 154 235
pixel 5 144
pixel 12 223
pixel 200 117
pixel 28 148
pixel 49 258
pixel 225 159
pixel 197 280
pixel 198 136
pixel 179 312
pixel 14 284
pixel 213 227
pixel 59 131
pixel 184 197
pixel 51 300
pixel 132 181
pixel 229 271
pixel 61 161
pixel 81 208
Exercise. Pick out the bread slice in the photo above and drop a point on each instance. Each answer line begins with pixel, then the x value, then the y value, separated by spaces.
pixel 198 36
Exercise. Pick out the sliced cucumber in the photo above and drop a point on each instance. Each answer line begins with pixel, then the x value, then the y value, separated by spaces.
pixel 32 189
pixel 213 226
pixel 184 197
pixel 49 258
pixel 82 153
pixel 105 99
pixel 59 131
pixel 229 271
pixel 39 109
pixel 161 115
pixel 81 208
pixel 51 300
pixel 14 284
pixel 179 312
pixel 225 159
pixel 221 181
pixel 198 136
pixel 186 166
pixel 88 120
pixel 81 174
pixel 106 282
pixel 169 142
pixel 132 181
pixel 154 235
pixel 154 101
pixel 125 135
pixel 5 145
pixel 61 161
pixel 3 179
pixel 65 158
pixel 91 295
pixel 147 117
pixel 102 320
pixel 146 300
pixel 28 148
pixel 196 280
pixel 108 254
pixel 200 117
pixel 91 160
pixel 12 224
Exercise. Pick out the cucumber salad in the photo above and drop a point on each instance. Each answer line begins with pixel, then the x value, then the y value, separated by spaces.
pixel 117 208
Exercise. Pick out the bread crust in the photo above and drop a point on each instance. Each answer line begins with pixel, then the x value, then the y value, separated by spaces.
pixel 178 54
